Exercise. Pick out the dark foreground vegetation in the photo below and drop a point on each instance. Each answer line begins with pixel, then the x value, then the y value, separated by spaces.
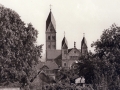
pixel 18 52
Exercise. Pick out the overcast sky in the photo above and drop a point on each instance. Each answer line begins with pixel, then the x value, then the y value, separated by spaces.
pixel 75 17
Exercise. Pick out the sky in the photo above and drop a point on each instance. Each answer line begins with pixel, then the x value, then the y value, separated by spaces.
pixel 74 17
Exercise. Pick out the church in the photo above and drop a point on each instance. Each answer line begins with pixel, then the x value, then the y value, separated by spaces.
pixel 65 57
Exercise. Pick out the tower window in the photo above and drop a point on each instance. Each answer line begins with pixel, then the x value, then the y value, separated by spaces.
pixel 48 37
pixel 53 38
pixel 64 64
pixel 51 29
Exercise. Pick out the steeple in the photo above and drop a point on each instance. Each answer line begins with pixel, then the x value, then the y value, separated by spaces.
pixel 84 42
pixel 64 47
pixel 50 32
pixel 64 43
pixel 50 22
pixel 84 45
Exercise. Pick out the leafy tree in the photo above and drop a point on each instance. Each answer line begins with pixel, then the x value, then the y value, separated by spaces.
pixel 18 51
pixel 107 51
pixel 85 67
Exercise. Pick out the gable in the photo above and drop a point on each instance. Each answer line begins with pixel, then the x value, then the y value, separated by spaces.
pixel 74 52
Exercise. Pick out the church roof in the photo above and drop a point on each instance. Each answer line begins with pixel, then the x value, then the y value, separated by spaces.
pixel 49 20
pixel 59 57
pixel 52 54
pixel 64 43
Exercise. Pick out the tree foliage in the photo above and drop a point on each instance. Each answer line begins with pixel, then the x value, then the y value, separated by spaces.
pixel 18 52
pixel 102 68
pixel 107 57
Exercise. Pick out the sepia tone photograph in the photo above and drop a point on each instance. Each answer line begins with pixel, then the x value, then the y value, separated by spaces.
pixel 59 45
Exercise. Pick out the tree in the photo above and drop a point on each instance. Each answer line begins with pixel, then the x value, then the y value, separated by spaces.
pixel 107 50
pixel 86 67
pixel 18 51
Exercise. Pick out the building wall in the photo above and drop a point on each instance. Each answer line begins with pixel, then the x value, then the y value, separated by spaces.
pixel 50 37
pixel 67 63
pixel 64 53
pixel 72 57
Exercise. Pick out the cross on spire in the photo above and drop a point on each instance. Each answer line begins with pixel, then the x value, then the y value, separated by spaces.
pixel 83 34
pixel 50 7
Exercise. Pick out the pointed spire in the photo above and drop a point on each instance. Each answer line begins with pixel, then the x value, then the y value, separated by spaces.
pixel 64 42
pixel 83 34
pixel 50 20
pixel 83 42
pixel 84 47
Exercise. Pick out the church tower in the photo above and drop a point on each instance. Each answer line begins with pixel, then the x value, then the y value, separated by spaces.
pixel 84 48
pixel 64 48
pixel 50 32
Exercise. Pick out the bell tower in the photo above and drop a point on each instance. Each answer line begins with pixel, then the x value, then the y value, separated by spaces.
pixel 50 32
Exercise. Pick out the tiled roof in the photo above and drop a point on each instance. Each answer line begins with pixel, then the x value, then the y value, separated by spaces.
pixel 51 65
pixel 59 57
pixel 52 54
pixel 58 60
